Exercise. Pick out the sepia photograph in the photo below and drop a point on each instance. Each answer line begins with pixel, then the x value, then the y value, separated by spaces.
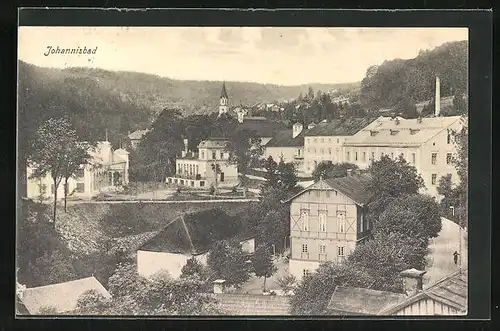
pixel 242 171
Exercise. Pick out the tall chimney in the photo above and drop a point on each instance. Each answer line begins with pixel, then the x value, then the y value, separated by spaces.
pixel 437 101
pixel 412 281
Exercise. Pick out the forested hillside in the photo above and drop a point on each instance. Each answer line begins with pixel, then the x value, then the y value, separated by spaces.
pixel 400 83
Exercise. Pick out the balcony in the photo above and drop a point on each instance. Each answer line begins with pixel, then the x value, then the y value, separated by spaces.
pixel 188 176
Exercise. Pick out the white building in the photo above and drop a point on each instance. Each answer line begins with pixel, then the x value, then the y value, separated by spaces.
pixel 426 143
pixel 287 145
pixel 196 169
pixel 106 171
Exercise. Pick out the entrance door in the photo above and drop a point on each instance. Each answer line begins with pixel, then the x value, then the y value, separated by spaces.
pixel 221 176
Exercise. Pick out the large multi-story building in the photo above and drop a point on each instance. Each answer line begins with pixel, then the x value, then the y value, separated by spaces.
pixel 324 142
pixel 327 221
pixel 287 145
pixel 106 171
pixel 426 143
pixel 197 169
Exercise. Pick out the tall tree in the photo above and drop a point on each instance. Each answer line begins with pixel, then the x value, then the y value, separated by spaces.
pixel 461 162
pixel 54 141
pixel 263 265
pixel 76 158
pixel 287 175
pixel 228 262
pixel 271 172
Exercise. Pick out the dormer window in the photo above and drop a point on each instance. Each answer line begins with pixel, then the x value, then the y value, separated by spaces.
pixel 373 133
pixel 414 131
pixel 394 132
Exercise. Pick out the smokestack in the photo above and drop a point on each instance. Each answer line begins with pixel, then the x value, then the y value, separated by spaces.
pixel 412 281
pixel 437 101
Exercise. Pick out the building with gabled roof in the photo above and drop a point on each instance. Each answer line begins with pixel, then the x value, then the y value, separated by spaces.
pixel 426 143
pixel 327 220
pixel 62 297
pixel 136 137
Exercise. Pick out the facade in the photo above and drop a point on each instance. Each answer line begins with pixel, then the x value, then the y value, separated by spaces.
pixel 324 142
pixel 106 171
pixel 287 145
pixel 195 169
pixel 326 222
pixel 426 143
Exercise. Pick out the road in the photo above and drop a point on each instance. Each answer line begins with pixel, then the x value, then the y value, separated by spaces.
pixel 441 249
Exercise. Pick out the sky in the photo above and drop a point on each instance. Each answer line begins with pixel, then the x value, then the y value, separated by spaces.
pixel 269 55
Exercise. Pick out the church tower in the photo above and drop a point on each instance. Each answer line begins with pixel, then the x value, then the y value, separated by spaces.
pixel 224 100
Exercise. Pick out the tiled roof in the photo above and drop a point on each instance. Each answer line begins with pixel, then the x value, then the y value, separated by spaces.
pixel 138 134
pixel 261 126
pixel 192 233
pixel 213 143
pixel 450 291
pixel 340 127
pixel 387 131
pixel 285 138
pixel 63 296
pixel 361 301
pixel 253 304
pixel 353 186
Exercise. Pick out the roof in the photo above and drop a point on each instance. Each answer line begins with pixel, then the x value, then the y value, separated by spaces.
pixel 261 126
pixel 361 301
pixel 223 93
pixel 353 186
pixel 194 233
pixel 450 291
pixel 340 127
pixel 386 131
pixel 63 296
pixel 253 304
pixel 138 134
pixel 284 138
pixel 213 143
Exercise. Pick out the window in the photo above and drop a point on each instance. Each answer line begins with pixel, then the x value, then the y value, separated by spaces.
pixel 298 152
pixel 322 249
pixel 305 220
pixel 414 131
pixel 327 194
pixel 79 173
pixel 341 220
pixel 80 187
pixel 434 158
pixel 304 248
pixel 317 193
pixel 373 155
pixel 214 155
pixel 322 222
pixel 329 151
pixel 337 141
pixel 356 156
pixel 322 151
pixel 394 132
pixel 305 272
pixel 448 137
pixel 348 156
pixel 202 183
pixel 413 158
pixel 449 158
pixel 364 156
pixel 340 251
pixel 202 155
pixel 392 155
pixel 433 179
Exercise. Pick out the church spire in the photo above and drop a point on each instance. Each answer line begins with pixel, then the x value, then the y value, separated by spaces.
pixel 223 93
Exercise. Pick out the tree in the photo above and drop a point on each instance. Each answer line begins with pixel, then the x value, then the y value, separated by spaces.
pixel 332 170
pixel 228 262
pixel 245 150
pixel 191 268
pixel 76 157
pixel 450 196
pixel 217 171
pixel 461 161
pixel 271 172
pixel 263 265
pixel 415 216
pixel 287 283
pixel 287 175
pixel 54 141
pixel 92 302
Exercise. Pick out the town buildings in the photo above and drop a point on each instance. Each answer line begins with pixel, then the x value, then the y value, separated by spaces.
pixel 324 142
pixel 327 221
pixel 136 137
pixel 198 169
pixel 287 145
pixel 107 170
pixel 426 143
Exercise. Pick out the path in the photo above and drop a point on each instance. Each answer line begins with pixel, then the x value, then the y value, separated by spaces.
pixel 440 257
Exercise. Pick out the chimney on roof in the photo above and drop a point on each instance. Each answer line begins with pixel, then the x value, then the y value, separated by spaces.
pixel 219 286
pixel 412 281
pixel 349 172
pixel 437 101
pixel 297 129
pixel 311 125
